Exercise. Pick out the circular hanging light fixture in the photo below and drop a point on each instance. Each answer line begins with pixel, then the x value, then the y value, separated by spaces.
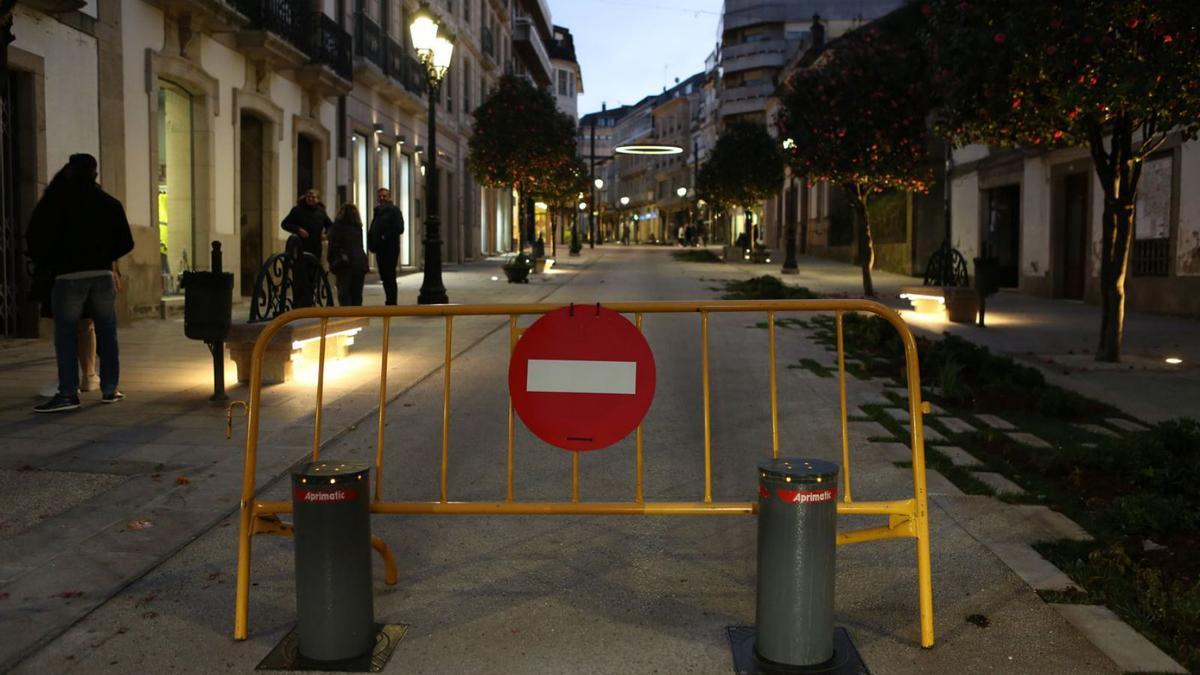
pixel 649 149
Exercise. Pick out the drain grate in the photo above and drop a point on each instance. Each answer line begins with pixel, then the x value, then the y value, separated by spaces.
pixel 286 655
pixel 845 661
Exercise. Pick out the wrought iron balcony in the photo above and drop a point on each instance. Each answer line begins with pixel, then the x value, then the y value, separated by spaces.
pixel 317 38
pixel 332 47
pixel 368 39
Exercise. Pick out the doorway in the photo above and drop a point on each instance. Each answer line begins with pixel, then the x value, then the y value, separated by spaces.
pixel 253 248
pixel 1003 235
pixel 1073 247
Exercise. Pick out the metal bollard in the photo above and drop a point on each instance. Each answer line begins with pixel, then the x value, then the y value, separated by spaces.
pixel 797 527
pixel 335 612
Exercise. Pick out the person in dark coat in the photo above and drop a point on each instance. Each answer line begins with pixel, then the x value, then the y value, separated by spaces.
pixel 307 220
pixel 79 235
pixel 383 238
pixel 347 260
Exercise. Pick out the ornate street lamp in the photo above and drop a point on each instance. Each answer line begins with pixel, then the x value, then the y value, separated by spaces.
pixel 434 51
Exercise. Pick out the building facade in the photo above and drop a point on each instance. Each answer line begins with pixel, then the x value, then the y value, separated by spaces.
pixel 1039 214
pixel 210 117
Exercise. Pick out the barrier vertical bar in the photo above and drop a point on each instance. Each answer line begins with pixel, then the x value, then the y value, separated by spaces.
pixel 574 477
pixel 383 364
pixel 920 491
pixel 320 391
pixel 845 418
pixel 707 413
pixel 639 496
pixel 512 344
pixel 446 404
pixel 774 390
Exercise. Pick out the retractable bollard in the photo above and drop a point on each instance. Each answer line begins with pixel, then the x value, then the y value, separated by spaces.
pixel 797 528
pixel 335 612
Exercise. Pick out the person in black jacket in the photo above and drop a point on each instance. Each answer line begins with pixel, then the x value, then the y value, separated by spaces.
pixel 347 260
pixel 79 235
pixel 307 220
pixel 383 238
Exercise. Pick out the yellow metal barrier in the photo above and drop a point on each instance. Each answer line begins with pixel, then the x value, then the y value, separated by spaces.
pixel 907 518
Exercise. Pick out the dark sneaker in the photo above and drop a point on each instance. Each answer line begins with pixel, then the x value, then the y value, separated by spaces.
pixel 112 398
pixel 59 403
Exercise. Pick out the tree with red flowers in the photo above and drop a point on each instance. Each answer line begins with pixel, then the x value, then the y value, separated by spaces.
pixel 856 117
pixel 519 141
pixel 1116 76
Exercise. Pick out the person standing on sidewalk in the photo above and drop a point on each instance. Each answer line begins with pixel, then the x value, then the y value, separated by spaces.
pixel 307 220
pixel 347 259
pixel 80 242
pixel 383 238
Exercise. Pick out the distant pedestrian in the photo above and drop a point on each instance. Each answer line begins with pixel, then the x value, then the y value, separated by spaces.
pixel 383 239
pixel 79 237
pixel 347 259
pixel 307 220
pixel 679 236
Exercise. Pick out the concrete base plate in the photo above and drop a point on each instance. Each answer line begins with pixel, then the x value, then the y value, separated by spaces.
pixel 286 655
pixel 845 661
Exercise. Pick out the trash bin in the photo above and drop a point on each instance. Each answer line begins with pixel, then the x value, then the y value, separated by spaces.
pixel 207 305
pixel 797 527
pixel 335 612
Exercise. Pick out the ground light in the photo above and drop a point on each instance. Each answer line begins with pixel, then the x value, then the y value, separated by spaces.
pixel 925 303
pixel 1173 360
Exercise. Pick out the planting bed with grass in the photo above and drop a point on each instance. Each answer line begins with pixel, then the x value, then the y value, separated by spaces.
pixel 1137 493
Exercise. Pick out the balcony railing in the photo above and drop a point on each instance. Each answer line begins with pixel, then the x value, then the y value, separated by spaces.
pixel 284 18
pixel 332 47
pixel 368 39
pixel 315 35
pixel 393 57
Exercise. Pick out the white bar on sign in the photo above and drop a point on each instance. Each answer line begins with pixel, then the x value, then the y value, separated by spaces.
pixel 582 377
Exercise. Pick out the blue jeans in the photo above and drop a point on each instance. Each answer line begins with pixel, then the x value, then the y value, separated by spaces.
pixel 70 297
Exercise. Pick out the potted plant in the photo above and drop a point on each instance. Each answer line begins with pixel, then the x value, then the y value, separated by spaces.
pixel 517 268
pixel 962 303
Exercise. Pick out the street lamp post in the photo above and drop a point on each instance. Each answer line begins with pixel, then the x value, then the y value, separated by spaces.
pixel 434 50
pixel 624 203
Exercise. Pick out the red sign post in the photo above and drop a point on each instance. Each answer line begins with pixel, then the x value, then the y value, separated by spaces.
pixel 581 377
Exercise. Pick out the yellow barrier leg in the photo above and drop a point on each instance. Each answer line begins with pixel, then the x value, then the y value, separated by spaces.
pixel 389 562
pixel 242 602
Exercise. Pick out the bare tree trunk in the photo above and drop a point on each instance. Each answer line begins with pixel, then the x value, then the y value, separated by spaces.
pixel 1119 172
pixel 866 244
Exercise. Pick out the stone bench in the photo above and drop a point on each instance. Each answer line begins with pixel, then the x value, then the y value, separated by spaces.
pixel 301 336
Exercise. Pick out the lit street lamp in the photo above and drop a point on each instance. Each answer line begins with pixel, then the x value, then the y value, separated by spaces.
pixel 599 183
pixel 682 192
pixel 434 51
pixel 624 202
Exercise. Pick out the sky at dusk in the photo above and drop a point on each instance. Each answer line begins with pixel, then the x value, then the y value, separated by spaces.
pixel 628 49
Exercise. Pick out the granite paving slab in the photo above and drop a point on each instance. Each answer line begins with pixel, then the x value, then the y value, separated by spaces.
pixel 1028 439
pixel 1000 484
pixel 1096 429
pixel 1125 646
pixel 959 457
pixel 956 425
pixel 1039 573
pixel 1125 425
pixel 996 422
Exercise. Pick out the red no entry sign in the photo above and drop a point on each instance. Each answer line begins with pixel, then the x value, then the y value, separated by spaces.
pixel 582 377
